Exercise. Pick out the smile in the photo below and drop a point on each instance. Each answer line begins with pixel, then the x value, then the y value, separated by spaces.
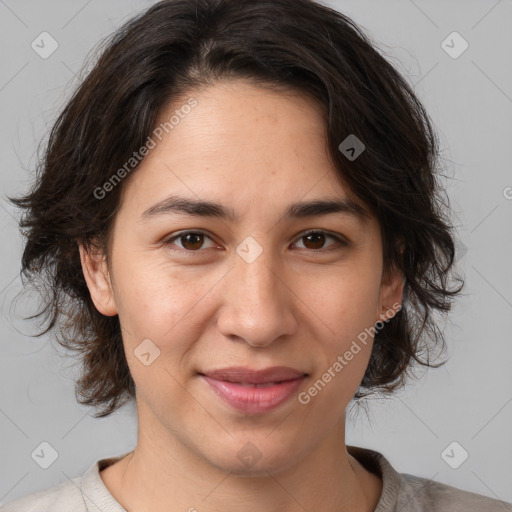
pixel 252 398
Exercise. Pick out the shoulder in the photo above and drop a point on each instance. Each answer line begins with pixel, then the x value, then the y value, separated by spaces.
pixel 403 492
pixel 60 498
pixel 78 494
pixel 421 495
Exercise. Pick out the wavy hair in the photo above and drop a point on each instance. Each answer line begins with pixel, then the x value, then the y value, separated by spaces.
pixel 178 46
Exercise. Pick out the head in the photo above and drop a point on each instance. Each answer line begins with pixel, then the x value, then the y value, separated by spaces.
pixel 249 105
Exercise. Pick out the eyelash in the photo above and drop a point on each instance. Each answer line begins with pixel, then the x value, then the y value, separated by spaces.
pixel 341 243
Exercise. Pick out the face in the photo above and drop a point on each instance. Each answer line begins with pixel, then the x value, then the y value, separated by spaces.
pixel 197 293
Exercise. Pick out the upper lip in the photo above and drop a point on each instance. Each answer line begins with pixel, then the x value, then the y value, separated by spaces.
pixel 250 376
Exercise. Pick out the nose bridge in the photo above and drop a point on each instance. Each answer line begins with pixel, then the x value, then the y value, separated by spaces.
pixel 258 278
pixel 256 307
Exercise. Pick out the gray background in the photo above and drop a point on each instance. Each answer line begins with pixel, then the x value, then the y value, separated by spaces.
pixel 469 98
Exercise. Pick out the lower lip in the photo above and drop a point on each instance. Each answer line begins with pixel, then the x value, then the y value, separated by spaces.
pixel 254 400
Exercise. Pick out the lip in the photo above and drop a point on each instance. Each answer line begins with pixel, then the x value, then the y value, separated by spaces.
pixel 254 391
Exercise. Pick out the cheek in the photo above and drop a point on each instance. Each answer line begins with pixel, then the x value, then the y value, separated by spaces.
pixel 159 316
pixel 155 294
pixel 165 306
pixel 346 348
pixel 347 306
pixel 345 300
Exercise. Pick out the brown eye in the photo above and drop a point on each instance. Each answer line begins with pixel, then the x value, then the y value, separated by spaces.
pixel 191 241
pixel 315 240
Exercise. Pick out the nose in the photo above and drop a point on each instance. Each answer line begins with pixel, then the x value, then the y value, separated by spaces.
pixel 258 303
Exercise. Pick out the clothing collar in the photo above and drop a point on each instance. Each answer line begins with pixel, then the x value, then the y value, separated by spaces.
pixel 98 497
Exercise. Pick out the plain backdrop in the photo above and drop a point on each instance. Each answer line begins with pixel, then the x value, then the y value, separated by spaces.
pixel 465 406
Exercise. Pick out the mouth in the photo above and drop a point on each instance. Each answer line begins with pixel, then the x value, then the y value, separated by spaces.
pixel 254 391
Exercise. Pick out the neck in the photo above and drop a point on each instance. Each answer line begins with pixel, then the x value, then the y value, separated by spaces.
pixel 171 477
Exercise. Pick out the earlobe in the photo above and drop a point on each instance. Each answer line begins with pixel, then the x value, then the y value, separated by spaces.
pixel 98 280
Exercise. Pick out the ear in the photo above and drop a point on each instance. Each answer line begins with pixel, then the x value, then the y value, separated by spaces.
pixel 391 293
pixel 98 280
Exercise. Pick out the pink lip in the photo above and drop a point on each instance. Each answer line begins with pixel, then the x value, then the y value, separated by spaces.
pixel 227 383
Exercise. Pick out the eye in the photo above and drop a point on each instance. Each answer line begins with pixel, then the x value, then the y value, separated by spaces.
pixel 317 238
pixel 192 240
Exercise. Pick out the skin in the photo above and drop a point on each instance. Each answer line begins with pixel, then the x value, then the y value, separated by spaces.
pixel 205 307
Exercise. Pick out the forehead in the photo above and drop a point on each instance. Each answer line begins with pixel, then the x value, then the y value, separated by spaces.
pixel 242 144
pixel 243 116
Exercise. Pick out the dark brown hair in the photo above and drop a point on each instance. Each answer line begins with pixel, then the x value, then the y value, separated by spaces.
pixel 178 46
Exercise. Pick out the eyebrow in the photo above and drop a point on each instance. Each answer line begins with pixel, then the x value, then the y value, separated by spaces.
pixel 200 208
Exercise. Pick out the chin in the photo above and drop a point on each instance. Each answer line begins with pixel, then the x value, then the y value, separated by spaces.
pixel 256 458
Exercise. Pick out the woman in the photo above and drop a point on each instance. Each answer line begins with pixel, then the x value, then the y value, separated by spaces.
pixel 239 217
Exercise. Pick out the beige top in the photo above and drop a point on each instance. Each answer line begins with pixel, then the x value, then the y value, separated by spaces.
pixel 401 492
